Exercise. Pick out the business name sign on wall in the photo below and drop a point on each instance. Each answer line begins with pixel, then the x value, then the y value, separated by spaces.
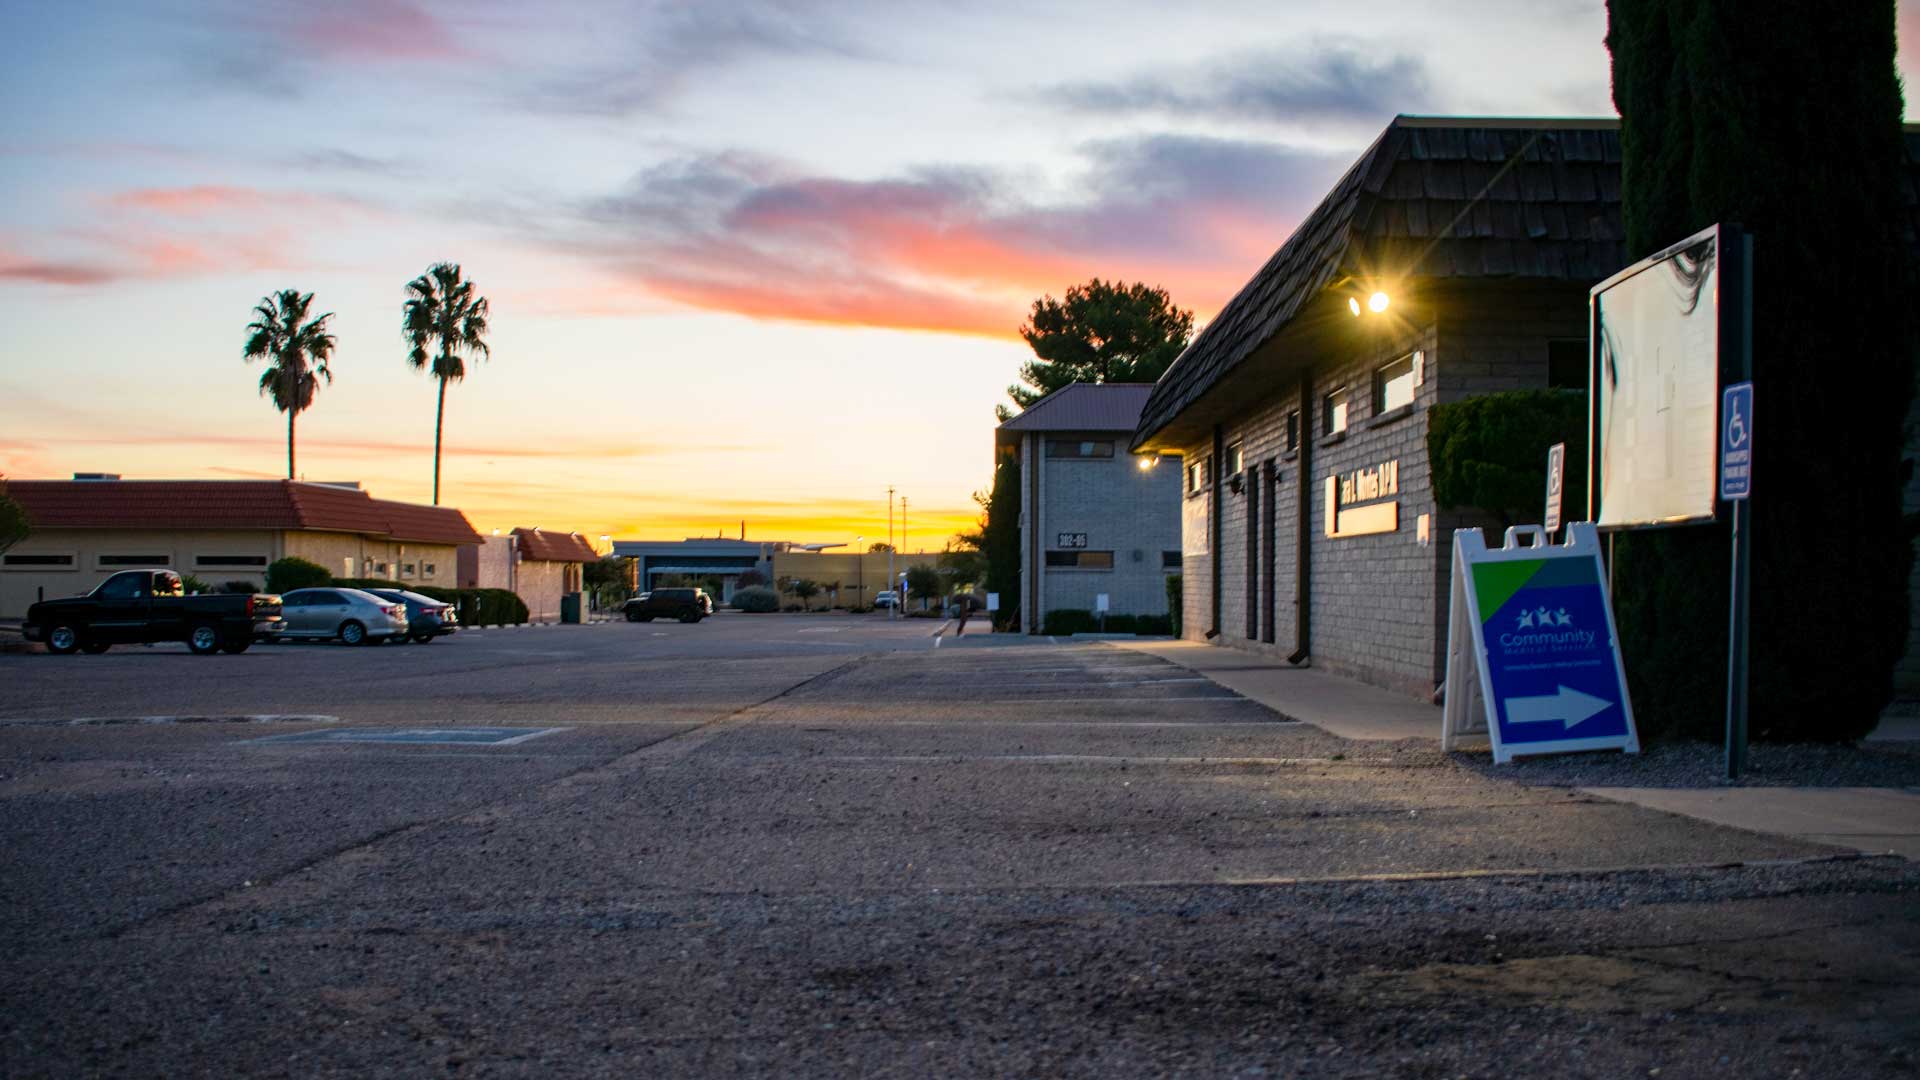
pixel 1364 486
pixel 1532 658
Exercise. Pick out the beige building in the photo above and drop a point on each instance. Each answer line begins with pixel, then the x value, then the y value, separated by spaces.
pixel 219 531
pixel 846 579
pixel 546 567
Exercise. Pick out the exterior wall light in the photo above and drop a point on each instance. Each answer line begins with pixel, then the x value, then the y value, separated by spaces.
pixel 1377 302
pixel 1353 305
pixel 1148 461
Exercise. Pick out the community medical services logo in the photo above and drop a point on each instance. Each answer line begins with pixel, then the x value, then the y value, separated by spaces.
pixel 1545 630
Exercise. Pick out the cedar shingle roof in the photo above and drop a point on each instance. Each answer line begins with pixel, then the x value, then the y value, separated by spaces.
pixel 1085 407
pixel 234 504
pixel 1431 198
pixel 555 547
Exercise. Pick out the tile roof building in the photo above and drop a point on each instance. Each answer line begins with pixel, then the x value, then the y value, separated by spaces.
pixel 219 531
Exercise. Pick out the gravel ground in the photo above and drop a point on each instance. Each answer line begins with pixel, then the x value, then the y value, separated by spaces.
pixel 1703 765
pixel 795 859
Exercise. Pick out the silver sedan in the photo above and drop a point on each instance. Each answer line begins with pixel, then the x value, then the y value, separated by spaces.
pixel 354 617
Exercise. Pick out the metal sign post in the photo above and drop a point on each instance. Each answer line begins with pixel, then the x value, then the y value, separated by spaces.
pixel 1556 486
pixel 1736 485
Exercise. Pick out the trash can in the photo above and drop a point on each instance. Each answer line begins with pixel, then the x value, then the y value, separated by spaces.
pixel 570 607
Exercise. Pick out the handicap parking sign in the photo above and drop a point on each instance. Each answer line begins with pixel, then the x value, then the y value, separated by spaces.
pixel 1736 441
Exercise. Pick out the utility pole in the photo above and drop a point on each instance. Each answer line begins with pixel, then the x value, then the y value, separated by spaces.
pixel 903 539
pixel 893 610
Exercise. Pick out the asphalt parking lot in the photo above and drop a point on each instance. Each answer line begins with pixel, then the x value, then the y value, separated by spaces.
pixel 823 845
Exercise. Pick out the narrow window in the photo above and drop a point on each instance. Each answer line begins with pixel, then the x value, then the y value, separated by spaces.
pixel 229 560
pixel 1393 385
pixel 1333 412
pixel 1069 448
pixel 64 561
pixel 1236 461
pixel 1197 477
pixel 1293 432
pixel 134 560
pixel 1080 560
pixel 1170 560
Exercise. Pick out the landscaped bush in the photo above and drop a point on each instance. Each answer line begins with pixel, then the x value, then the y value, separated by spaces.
pixel 477 607
pixel 748 579
pixel 757 599
pixel 1153 624
pixel 244 587
pixel 1068 621
pixel 193 586
pixel 1175 606
pixel 791 608
pixel 294 572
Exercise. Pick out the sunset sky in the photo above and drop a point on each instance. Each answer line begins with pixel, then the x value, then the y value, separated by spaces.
pixel 756 260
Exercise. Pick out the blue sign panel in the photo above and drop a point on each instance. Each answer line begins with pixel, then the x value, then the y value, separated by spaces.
pixel 1550 659
pixel 1736 441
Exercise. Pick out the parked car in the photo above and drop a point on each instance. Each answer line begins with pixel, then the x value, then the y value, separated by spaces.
pixel 354 616
pixel 427 618
pixel 687 605
pixel 142 606
pixel 886 598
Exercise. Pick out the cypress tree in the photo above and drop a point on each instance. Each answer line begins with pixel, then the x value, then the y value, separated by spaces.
pixel 1784 117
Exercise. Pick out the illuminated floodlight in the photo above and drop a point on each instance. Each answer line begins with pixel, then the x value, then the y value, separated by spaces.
pixel 1377 302
pixel 1148 461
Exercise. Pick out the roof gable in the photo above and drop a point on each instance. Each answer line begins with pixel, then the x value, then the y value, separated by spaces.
pixel 1085 407
pixel 1433 197
pixel 555 547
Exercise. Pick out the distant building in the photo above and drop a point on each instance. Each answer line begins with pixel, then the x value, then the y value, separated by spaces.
pixel 219 531
pixel 548 566
pixel 1093 520
pixel 699 557
pixel 846 578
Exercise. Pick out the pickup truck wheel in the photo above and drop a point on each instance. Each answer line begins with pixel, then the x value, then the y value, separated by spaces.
pixel 633 616
pixel 689 618
pixel 235 648
pixel 204 639
pixel 95 648
pixel 62 640
pixel 353 633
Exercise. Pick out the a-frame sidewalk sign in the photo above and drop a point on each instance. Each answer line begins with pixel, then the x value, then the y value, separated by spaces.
pixel 1533 661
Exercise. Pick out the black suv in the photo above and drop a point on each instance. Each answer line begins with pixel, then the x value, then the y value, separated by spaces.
pixel 687 605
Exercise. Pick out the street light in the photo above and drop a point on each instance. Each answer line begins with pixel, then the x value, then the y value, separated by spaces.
pixel 859 572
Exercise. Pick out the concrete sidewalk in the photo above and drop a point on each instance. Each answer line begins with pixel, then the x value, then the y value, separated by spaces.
pixel 1340 706
pixel 1872 820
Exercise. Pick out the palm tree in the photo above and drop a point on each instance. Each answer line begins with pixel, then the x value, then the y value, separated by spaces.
pixel 296 350
pixel 443 314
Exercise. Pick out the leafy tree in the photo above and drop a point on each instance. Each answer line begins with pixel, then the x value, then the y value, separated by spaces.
pixel 294 572
pixel 1000 536
pixel 1790 125
pixel 1489 453
pixel 748 579
pixel 879 548
pixel 14 525
pixel 925 583
pixel 1102 332
pixel 963 565
pixel 610 578
pixel 443 320
pixel 296 350
pixel 805 589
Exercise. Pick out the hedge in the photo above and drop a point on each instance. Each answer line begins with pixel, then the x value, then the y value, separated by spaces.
pixel 1065 621
pixel 477 607
pixel 756 598
pixel 294 572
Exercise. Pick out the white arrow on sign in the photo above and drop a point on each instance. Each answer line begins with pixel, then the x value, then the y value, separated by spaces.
pixel 1569 706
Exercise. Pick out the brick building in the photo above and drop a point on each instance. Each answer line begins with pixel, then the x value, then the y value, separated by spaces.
pixel 1453 259
pixel 548 566
pixel 1092 520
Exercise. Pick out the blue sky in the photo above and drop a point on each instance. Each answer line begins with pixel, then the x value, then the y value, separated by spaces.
pixel 747 260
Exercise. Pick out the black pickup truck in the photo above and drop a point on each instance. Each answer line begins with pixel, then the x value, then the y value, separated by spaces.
pixel 138 606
